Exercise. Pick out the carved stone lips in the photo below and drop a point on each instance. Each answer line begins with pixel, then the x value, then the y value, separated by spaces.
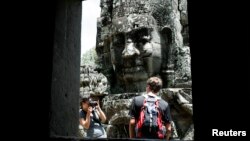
pixel 133 62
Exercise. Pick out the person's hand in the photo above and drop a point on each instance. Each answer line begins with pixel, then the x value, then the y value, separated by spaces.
pixel 98 105
pixel 168 134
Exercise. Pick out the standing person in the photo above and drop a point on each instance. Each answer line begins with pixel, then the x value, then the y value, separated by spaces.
pixel 92 117
pixel 149 112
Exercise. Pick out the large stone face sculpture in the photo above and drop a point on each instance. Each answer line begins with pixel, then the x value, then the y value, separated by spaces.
pixel 135 51
pixel 137 39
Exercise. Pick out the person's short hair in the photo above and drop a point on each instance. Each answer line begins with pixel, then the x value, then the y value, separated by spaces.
pixel 155 84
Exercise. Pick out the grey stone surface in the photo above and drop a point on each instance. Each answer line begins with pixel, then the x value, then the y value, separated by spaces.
pixel 189 134
pixel 184 18
pixel 188 108
pixel 82 132
pixel 174 131
pixel 66 69
pixel 117 131
pixel 187 95
pixel 181 100
pixel 181 109
pixel 117 107
pixel 169 94
pixel 92 82
pixel 183 5
pixel 184 21
pixel 183 68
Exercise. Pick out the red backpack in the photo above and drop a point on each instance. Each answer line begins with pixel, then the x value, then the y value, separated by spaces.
pixel 149 123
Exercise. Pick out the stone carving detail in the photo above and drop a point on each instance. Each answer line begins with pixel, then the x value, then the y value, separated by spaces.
pixel 183 70
pixel 180 100
pixel 118 105
pixel 92 82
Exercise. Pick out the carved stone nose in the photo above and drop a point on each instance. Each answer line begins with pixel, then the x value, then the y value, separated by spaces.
pixel 130 50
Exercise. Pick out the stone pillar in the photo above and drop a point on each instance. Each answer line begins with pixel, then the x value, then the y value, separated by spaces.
pixel 64 109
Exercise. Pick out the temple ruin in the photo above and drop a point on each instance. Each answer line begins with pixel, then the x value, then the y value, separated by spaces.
pixel 137 39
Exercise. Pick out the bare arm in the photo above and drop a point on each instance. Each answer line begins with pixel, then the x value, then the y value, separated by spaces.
pixel 132 121
pixel 101 113
pixel 168 128
pixel 132 128
pixel 86 123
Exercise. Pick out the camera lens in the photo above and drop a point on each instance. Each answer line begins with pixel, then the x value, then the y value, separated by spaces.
pixel 93 103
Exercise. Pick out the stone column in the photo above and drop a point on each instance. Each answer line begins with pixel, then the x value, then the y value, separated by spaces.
pixel 64 104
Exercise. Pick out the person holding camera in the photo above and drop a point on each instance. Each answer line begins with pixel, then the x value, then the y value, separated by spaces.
pixel 92 117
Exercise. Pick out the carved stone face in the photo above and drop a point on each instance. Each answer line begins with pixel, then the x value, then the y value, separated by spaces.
pixel 135 51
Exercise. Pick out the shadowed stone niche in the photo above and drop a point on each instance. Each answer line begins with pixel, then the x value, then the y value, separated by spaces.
pixel 137 39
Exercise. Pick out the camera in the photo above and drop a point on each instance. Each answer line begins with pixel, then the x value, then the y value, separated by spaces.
pixel 92 103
